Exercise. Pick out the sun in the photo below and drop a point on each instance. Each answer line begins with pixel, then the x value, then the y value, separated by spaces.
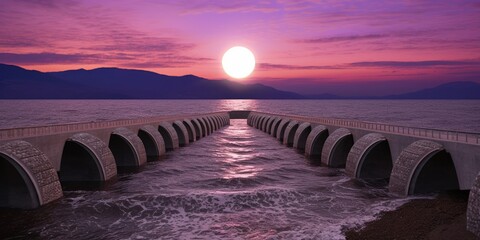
pixel 238 62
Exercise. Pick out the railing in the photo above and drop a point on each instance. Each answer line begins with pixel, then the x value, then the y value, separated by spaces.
pixel 17 133
pixel 463 137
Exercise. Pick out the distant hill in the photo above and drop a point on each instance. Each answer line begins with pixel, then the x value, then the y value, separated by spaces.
pixel 18 83
pixel 453 90
pixel 116 83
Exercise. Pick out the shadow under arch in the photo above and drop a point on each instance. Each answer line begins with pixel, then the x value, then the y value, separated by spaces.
pixel 290 133
pixel 182 133
pixel 169 136
pixel 275 124
pixel 198 128
pixel 422 167
pixel 152 141
pixel 203 126
pixel 281 129
pixel 315 141
pixel 127 148
pixel 336 148
pixel 192 133
pixel 86 162
pixel 301 135
pixel 370 158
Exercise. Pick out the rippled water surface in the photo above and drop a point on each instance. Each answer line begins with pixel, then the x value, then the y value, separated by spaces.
pixel 238 183
pixel 456 115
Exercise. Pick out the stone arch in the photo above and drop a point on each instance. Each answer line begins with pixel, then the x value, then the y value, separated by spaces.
pixel 256 120
pixel 264 124
pixel 370 158
pixel 204 127
pixel 198 128
pixel 336 148
pixel 169 136
pixel 301 135
pixel 182 133
pixel 212 123
pixel 207 125
pixel 192 133
pixel 259 121
pixel 86 158
pixel 273 130
pixel 217 120
pixel 269 125
pixel 27 178
pixel 315 141
pixel 281 129
pixel 152 141
pixel 289 134
pixel 473 209
pixel 423 166
pixel 127 148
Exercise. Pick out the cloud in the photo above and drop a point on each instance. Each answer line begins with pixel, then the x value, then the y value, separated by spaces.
pixel 48 58
pixel 270 66
pixel 344 38
pixel 121 59
pixel 414 64
pixel 209 6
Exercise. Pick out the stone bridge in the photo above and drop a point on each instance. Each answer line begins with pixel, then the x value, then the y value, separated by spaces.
pixel 412 160
pixel 35 162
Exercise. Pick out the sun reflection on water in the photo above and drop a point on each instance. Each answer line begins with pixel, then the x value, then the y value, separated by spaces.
pixel 237 154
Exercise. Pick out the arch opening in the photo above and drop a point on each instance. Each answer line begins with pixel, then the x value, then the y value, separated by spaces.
pixel 166 138
pixel 260 122
pixel 190 131
pixel 291 135
pixel 16 187
pixel 151 147
pixel 274 129
pixel 265 123
pixel 317 145
pixel 208 126
pixel 269 125
pixel 198 131
pixel 376 163
pixel 181 137
pixel 123 151
pixel 339 154
pixel 202 125
pixel 302 139
pixel 435 173
pixel 79 164
pixel 281 130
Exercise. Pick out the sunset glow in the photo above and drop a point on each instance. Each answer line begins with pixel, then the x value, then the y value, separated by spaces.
pixel 302 46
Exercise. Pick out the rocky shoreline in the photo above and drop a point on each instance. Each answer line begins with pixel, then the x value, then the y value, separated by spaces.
pixel 443 217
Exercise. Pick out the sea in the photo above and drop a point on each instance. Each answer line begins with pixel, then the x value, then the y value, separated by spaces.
pixel 238 183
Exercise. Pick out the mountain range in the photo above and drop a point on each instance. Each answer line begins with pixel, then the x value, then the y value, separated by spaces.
pixel 116 83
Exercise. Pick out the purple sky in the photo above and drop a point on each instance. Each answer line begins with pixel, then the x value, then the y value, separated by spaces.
pixel 340 47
